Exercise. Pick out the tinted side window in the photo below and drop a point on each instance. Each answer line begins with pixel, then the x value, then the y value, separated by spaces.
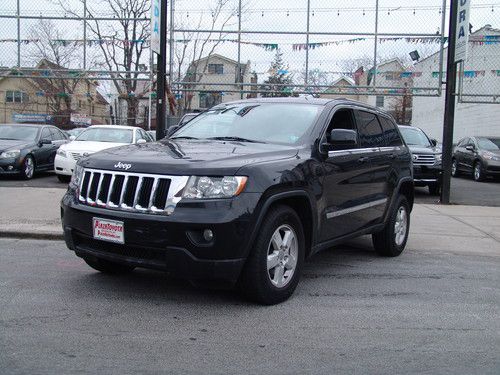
pixel 46 134
pixel 370 132
pixel 391 134
pixel 56 134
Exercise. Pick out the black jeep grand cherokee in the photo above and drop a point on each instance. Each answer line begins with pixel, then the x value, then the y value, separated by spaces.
pixel 244 193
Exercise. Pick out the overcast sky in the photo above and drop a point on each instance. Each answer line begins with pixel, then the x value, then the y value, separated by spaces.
pixel 341 16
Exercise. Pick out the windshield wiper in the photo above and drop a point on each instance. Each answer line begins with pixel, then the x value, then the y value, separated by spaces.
pixel 237 139
pixel 183 137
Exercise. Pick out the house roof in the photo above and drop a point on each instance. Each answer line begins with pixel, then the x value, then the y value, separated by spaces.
pixel 336 83
pixel 244 67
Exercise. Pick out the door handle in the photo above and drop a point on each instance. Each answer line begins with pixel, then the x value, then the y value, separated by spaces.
pixel 363 159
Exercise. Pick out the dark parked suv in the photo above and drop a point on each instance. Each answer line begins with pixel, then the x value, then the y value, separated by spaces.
pixel 426 155
pixel 244 193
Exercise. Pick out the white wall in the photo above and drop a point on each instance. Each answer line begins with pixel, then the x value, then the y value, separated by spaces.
pixel 470 119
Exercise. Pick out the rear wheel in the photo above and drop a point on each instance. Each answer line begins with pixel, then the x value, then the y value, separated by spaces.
pixel 105 266
pixel 273 268
pixel 63 178
pixel 478 171
pixel 28 168
pixel 434 189
pixel 391 241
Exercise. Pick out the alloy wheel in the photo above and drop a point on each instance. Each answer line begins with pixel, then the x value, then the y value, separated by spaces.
pixel 400 226
pixel 29 167
pixel 282 256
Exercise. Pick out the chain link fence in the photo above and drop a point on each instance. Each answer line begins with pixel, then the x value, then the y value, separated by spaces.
pixel 77 62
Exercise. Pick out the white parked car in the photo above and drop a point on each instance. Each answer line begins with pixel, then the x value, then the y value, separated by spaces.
pixel 95 138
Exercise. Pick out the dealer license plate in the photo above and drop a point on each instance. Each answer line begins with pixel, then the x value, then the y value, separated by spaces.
pixel 108 230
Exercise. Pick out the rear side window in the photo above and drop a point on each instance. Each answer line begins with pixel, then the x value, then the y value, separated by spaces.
pixel 391 134
pixel 370 132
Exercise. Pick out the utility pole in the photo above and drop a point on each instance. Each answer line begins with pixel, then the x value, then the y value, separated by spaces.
pixel 161 63
pixel 449 106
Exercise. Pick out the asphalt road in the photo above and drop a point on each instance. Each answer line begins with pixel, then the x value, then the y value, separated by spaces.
pixel 429 311
pixel 464 189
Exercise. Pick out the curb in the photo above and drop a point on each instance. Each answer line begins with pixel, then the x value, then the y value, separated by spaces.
pixel 32 235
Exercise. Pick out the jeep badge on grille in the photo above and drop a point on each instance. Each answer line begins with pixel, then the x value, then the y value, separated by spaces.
pixel 121 165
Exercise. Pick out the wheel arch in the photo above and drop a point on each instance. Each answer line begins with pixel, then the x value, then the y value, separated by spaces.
pixel 299 201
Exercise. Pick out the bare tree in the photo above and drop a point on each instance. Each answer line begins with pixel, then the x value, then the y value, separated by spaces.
pixel 51 51
pixel 122 44
pixel 196 45
pixel 316 77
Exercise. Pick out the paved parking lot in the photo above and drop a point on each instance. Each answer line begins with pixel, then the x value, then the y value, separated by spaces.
pixel 433 310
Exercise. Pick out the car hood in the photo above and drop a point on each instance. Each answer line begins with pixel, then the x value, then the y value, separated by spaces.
pixel 188 157
pixel 7 144
pixel 415 149
pixel 89 147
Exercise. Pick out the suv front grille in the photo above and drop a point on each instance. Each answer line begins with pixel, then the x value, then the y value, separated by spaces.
pixel 137 192
pixel 424 159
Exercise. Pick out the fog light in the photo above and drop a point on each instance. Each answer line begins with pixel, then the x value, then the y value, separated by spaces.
pixel 208 235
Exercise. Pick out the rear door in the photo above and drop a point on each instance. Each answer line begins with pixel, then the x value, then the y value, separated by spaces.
pixel 348 182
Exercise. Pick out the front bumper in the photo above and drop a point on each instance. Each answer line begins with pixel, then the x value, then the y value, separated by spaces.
pixel 424 175
pixel 492 167
pixel 64 166
pixel 10 165
pixel 170 243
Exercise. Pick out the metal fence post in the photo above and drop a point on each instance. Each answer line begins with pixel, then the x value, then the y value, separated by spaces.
pixel 375 47
pixel 84 34
pixel 18 34
pixel 171 49
pixel 441 50
pixel 238 71
pixel 306 77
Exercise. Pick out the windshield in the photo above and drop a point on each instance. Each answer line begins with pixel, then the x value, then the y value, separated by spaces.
pixel 106 135
pixel 18 132
pixel 415 137
pixel 271 122
pixel 490 144
pixel 75 131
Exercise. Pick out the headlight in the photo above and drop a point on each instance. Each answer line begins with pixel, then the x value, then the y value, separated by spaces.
pixel 62 153
pixel 10 154
pixel 200 187
pixel 490 156
pixel 76 177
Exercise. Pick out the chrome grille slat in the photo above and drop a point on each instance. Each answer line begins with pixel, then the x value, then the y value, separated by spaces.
pixel 424 159
pixel 141 189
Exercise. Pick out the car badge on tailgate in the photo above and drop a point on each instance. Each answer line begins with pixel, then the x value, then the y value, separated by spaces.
pixel 121 165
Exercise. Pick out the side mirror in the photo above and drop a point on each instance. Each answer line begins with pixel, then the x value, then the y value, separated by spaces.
pixel 142 140
pixel 434 142
pixel 72 137
pixel 342 139
pixel 44 141
pixel 470 148
pixel 171 130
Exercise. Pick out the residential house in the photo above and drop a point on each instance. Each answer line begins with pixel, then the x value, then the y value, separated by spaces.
pixel 44 98
pixel 481 76
pixel 342 87
pixel 215 77
pixel 142 94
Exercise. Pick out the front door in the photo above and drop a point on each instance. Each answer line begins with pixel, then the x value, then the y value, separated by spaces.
pixel 348 183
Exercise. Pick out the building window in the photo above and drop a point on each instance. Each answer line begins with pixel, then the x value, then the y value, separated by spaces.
pixel 216 68
pixel 209 99
pixel 16 97
pixel 379 102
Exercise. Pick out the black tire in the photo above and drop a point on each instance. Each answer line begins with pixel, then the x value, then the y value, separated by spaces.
pixel 63 178
pixel 105 266
pixel 27 173
pixel 478 175
pixel 454 169
pixel 384 241
pixel 434 189
pixel 255 280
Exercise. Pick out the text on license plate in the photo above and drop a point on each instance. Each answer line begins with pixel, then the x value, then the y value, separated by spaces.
pixel 108 230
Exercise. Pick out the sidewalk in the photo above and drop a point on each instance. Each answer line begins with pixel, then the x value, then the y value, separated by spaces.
pixel 34 213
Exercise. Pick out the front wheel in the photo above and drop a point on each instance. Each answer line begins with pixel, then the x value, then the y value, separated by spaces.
pixel 454 168
pixel 434 189
pixel 63 178
pixel 105 266
pixel 478 171
pixel 391 241
pixel 28 168
pixel 273 268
